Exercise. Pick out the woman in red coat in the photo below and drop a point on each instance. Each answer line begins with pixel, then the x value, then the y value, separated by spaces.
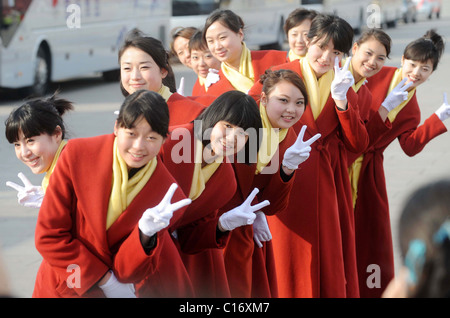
pixel 144 64
pixel 398 117
pixel 240 68
pixel 248 258
pixel 38 132
pixel 204 64
pixel 196 157
pixel 98 237
pixel 307 237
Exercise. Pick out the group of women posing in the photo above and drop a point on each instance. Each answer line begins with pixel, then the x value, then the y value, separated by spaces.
pixel 266 182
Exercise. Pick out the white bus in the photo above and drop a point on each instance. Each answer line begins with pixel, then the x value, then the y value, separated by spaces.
pixel 52 40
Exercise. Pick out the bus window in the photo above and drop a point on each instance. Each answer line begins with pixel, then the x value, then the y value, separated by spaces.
pixel 190 7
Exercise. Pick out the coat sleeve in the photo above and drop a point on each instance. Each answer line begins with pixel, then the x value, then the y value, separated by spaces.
pixel 55 223
pixel 354 133
pixel 414 140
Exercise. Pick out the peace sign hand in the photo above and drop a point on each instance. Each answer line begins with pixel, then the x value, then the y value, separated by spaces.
pixel 443 112
pixel 28 195
pixel 398 95
pixel 241 215
pixel 157 218
pixel 343 80
pixel 299 151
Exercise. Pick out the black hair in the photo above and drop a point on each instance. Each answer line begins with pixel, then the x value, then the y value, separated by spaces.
pixel 238 109
pixel 226 17
pixel 429 47
pixel 326 27
pixel 378 35
pixel 270 78
pixel 425 220
pixel 197 42
pixel 297 17
pixel 155 49
pixel 36 117
pixel 147 104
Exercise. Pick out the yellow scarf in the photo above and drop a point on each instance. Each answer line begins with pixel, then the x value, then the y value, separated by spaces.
pixel 123 190
pixel 396 79
pixel 360 83
pixel 292 56
pixel 243 79
pixel 46 179
pixel 202 81
pixel 201 175
pixel 318 90
pixel 165 92
pixel 272 137
pixel 355 169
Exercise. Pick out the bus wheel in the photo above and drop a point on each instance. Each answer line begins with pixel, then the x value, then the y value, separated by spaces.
pixel 41 74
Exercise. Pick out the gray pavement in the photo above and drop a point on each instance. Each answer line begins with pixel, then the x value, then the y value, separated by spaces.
pixel 95 102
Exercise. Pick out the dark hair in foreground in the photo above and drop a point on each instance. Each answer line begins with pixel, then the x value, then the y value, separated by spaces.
pixel 147 104
pixel 155 49
pixel 424 234
pixel 36 117
pixel 238 109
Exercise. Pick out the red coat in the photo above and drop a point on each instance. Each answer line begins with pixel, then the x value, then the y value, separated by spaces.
pixel 183 110
pixel 71 226
pixel 200 247
pixel 250 269
pixel 373 227
pixel 312 238
pixel 261 61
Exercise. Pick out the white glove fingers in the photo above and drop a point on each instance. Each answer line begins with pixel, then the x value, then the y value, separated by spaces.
pixel 257 241
pixel 445 99
pixel 336 65
pixel 311 140
pixel 400 85
pixel 250 198
pixel 180 89
pixel 260 205
pixel 178 205
pixel 25 180
pixel 15 186
pixel 169 194
pixel 407 86
pixel 347 64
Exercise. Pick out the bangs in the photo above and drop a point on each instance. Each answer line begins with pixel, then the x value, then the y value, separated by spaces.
pixel 422 52
pixel 21 121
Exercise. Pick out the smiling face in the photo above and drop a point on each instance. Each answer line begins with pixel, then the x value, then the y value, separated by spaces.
pixel 139 144
pixel 321 56
pixel 202 61
pixel 138 71
pixel 416 72
pixel 227 139
pixel 37 152
pixel 284 105
pixel 225 44
pixel 297 37
pixel 181 47
pixel 368 58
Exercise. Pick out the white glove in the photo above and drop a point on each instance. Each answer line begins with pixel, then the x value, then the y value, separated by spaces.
pixel 212 77
pixel 261 231
pixel 397 95
pixel 443 112
pixel 343 80
pixel 115 289
pixel 157 218
pixel 243 214
pixel 180 89
pixel 299 151
pixel 30 196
